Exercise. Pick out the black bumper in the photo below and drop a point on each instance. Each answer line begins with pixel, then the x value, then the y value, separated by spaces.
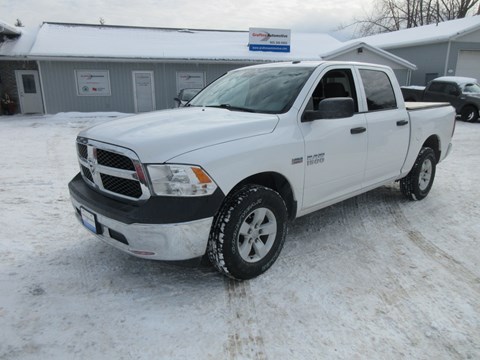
pixel 156 210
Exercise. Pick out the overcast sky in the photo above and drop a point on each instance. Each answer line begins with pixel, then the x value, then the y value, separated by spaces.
pixel 300 16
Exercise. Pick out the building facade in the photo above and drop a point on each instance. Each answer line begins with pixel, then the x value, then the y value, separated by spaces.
pixel 98 68
pixel 450 48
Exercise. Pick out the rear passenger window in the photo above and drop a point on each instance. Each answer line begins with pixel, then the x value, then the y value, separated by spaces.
pixel 378 89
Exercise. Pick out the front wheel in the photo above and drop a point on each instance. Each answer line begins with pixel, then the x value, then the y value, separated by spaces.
pixel 248 232
pixel 469 113
pixel 417 184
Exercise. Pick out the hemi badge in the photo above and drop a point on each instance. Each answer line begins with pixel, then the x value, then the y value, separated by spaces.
pixel 298 160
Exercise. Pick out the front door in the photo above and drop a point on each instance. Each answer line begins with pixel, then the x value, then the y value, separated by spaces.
pixel 335 149
pixel 144 91
pixel 29 93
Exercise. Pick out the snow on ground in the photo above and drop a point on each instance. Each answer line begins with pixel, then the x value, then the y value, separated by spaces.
pixel 374 277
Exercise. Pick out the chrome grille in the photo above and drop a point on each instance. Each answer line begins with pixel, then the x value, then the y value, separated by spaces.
pixel 82 150
pixel 118 185
pixel 114 160
pixel 112 169
pixel 86 172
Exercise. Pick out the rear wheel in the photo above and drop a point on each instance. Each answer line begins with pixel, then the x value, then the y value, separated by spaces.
pixel 469 113
pixel 417 184
pixel 248 233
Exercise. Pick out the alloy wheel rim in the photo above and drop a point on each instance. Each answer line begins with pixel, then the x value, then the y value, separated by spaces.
pixel 257 235
pixel 425 175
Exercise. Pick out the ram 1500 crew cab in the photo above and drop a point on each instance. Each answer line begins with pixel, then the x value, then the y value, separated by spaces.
pixel 258 147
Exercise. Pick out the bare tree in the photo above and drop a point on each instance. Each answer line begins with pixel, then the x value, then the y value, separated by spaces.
pixel 19 23
pixel 392 15
pixel 102 21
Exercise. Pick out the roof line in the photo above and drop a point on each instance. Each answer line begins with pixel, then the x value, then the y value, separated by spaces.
pixel 140 27
pixel 373 49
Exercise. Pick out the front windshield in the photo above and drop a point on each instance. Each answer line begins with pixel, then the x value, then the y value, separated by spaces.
pixel 264 90
pixel 188 94
pixel 472 89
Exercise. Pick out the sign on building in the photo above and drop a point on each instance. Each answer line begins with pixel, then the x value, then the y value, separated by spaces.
pixel 190 80
pixel 276 40
pixel 93 82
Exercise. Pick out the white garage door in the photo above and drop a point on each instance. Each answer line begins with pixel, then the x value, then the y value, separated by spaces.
pixel 468 64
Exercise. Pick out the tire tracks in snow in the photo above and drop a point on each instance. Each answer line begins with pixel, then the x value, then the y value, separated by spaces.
pixel 447 261
pixel 401 307
pixel 245 340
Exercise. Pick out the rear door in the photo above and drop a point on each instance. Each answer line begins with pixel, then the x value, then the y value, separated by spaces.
pixel 28 86
pixel 143 91
pixel 335 149
pixel 387 124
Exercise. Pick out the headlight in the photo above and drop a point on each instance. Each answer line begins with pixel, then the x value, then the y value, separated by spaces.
pixel 180 180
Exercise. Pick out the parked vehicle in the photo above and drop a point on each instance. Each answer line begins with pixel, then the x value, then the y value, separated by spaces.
pixel 260 146
pixel 461 92
pixel 184 96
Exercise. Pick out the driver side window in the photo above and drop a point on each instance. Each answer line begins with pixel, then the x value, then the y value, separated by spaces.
pixel 335 83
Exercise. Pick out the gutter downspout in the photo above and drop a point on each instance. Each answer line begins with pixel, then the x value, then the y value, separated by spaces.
pixel 41 87
pixel 445 71
pixel 409 77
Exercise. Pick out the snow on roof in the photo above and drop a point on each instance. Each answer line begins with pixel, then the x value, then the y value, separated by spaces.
pixel 457 79
pixel 96 41
pixel 352 45
pixel 444 31
pixel 8 29
pixel 18 45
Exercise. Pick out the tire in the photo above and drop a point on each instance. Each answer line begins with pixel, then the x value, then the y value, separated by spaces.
pixel 248 232
pixel 417 184
pixel 469 113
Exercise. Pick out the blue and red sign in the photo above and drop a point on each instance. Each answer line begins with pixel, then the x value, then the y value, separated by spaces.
pixel 275 40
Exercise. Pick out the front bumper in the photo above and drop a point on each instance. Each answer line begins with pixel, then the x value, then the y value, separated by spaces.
pixel 152 230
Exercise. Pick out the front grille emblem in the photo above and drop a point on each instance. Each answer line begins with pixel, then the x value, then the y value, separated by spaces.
pixel 92 165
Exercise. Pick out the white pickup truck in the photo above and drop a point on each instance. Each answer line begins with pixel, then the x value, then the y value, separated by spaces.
pixel 260 146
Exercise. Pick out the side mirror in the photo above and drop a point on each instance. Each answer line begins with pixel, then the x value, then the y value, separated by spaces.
pixel 333 108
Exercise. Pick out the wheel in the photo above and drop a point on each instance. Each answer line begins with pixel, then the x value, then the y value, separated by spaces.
pixel 248 232
pixel 469 113
pixel 417 184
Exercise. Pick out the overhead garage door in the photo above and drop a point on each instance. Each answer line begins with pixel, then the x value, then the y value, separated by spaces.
pixel 468 64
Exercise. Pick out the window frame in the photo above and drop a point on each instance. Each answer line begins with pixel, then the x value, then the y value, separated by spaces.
pixel 364 92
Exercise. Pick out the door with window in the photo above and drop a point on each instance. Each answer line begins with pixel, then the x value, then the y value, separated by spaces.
pixel 29 93
pixel 143 91
pixel 335 149
pixel 388 128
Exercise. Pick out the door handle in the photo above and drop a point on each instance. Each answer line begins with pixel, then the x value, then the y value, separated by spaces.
pixel 357 130
pixel 402 122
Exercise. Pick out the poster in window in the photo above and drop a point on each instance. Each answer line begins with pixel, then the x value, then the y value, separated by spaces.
pixel 93 82
pixel 190 80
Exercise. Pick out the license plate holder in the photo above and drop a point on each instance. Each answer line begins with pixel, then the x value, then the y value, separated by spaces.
pixel 89 220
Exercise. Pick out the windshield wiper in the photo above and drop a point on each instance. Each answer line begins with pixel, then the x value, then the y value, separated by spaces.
pixel 231 108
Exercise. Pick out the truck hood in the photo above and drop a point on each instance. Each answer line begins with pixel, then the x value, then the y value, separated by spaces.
pixel 159 136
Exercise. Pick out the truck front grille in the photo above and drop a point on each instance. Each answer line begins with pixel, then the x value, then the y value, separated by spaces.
pixel 112 169
pixel 114 160
pixel 118 185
